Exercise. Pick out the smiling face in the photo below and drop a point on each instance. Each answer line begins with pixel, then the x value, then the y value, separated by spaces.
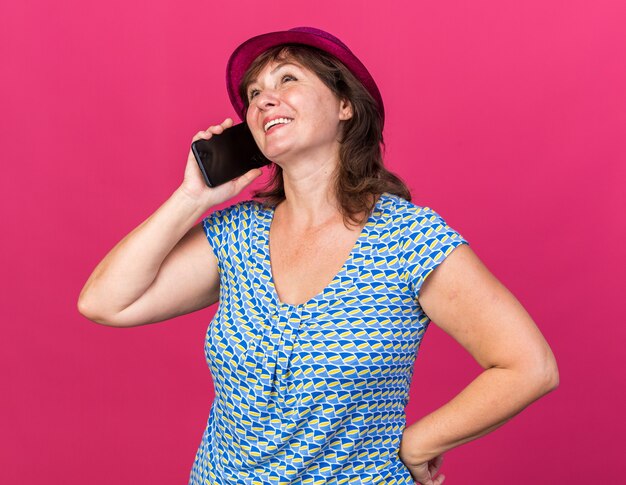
pixel 287 89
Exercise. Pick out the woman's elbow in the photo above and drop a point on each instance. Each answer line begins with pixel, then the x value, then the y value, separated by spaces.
pixel 86 312
pixel 551 378
pixel 545 374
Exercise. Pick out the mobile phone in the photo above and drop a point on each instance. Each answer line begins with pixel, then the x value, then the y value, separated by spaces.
pixel 227 156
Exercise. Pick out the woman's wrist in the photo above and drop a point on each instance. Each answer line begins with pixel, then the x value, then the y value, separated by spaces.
pixel 414 448
pixel 196 203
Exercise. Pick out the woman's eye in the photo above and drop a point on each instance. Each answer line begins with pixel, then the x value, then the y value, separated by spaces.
pixel 255 91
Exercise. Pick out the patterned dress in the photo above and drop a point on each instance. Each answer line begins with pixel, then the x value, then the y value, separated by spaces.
pixel 315 393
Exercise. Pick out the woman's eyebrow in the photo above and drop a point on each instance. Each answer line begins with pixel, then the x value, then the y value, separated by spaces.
pixel 286 63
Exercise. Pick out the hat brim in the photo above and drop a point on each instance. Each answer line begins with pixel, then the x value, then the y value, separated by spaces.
pixel 247 52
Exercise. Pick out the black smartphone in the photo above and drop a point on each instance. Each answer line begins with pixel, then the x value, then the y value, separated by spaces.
pixel 224 157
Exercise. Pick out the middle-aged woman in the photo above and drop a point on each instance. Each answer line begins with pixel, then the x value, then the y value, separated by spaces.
pixel 313 343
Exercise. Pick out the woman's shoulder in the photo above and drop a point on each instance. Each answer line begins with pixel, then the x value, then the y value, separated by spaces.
pixel 231 215
pixel 416 220
pixel 405 209
pixel 239 207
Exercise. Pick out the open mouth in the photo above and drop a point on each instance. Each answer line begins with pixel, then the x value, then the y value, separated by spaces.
pixel 275 124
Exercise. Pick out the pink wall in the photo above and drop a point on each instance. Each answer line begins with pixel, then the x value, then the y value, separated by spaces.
pixel 508 118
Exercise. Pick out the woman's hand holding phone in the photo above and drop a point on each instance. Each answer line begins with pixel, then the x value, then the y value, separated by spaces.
pixel 194 185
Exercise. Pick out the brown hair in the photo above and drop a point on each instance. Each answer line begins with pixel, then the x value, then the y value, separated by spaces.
pixel 361 174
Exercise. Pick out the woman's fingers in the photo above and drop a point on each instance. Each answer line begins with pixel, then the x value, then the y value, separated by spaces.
pixel 428 470
pixel 202 135
pixel 435 465
pixel 227 123
pixel 213 130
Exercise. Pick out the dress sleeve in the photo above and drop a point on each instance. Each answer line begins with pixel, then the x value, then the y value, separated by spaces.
pixel 220 226
pixel 428 241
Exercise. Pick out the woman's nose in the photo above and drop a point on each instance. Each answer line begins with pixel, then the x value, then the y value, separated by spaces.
pixel 266 98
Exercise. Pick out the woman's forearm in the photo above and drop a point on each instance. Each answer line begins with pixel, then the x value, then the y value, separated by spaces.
pixel 131 266
pixel 489 401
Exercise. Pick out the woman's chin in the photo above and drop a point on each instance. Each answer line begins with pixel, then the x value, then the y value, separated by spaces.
pixel 274 152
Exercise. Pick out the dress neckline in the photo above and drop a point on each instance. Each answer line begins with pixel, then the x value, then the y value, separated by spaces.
pixel 270 211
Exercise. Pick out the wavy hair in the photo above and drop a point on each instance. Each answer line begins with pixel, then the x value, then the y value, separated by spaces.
pixel 361 175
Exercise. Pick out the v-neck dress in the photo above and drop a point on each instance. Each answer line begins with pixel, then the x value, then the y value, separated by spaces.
pixel 315 393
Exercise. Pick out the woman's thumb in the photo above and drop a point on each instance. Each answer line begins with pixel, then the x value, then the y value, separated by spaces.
pixel 252 174
pixel 247 177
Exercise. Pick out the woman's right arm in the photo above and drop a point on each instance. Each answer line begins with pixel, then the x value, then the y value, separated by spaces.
pixel 165 267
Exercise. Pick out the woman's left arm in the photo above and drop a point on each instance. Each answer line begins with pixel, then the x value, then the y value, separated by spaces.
pixel 467 302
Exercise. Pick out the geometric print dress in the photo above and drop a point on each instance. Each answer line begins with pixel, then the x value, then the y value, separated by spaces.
pixel 315 393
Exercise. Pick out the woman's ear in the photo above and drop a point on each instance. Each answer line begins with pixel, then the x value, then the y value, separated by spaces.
pixel 346 109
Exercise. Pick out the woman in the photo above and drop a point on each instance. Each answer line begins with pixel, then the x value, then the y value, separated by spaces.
pixel 319 323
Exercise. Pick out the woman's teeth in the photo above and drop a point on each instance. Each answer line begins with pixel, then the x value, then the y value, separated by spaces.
pixel 277 121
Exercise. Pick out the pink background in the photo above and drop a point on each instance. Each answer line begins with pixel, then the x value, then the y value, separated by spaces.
pixel 508 118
